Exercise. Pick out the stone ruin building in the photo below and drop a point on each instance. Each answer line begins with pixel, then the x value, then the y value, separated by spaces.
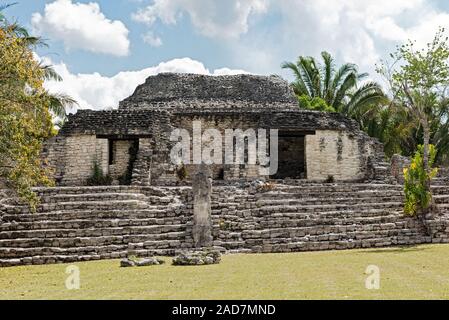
pixel 312 146
pixel 333 188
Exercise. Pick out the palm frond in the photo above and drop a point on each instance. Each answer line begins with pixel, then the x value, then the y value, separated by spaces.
pixel 342 73
pixel 299 86
pixel 327 71
pixel 349 82
pixel 310 73
pixel 50 73
pixel 365 100
pixel 60 103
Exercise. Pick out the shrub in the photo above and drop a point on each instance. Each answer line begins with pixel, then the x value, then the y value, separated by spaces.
pixel 224 225
pixel 182 173
pixel 316 103
pixel 417 196
pixel 98 178
pixel 330 179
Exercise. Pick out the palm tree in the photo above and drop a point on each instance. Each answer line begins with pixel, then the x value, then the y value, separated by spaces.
pixel 342 89
pixel 59 103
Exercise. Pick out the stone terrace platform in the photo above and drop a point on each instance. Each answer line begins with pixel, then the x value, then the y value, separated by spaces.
pixel 90 223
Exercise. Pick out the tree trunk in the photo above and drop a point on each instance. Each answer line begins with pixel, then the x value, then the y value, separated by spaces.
pixel 426 151
pixel 426 130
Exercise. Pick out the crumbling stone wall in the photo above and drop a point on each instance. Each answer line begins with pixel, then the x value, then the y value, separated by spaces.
pixel 83 140
pixel 398 163
pixel 167 87
pixel 91 223
pixel 121 158
pixel 220 122
pixel 81 153
pixel 338 154
pixel 334 144
pixel 53 156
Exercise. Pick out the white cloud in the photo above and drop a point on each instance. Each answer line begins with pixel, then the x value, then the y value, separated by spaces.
pixel 152 39
pixel 94 91
pixel 82 26
pixel 356 31
pixel 212 18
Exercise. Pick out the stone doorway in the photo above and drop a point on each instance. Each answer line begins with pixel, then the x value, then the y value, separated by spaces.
pixel 291 156
pixel 122 155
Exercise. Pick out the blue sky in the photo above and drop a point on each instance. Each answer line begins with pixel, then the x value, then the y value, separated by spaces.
pixel 104 48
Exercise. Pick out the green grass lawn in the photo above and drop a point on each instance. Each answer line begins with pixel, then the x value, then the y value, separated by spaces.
pixel 420 272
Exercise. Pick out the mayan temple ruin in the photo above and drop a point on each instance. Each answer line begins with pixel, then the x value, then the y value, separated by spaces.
pixel 333 189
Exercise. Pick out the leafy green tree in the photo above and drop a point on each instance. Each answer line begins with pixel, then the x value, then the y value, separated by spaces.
pixel 418 80
pixel 25 110
pixel 343 89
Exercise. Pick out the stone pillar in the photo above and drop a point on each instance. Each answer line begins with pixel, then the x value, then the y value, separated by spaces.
pixel 202 220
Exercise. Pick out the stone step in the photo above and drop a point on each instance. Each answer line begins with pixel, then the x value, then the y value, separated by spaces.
pixel 443 206
pixel 65 215
pixel 86 189
pixel 93 197
pixel 81 205
pixel 341 187
pixel 328 201
pixel 247 215
pixel 301 244
pixel 329 195
pixel 81 254
pixel 313 198
pixel 396 206
pixel 337 245
pixel 90 223
pixel 441 199
pixel 74 242
pixel 440 190
pixel 330 221
pixel 91 232
pixel 326 233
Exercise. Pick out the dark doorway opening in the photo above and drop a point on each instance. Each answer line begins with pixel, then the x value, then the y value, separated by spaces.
pixel 291 156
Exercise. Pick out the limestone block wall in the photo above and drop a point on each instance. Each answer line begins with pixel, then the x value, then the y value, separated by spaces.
pixel 221 123
pixel 121 158
pixel 141 174
pixel 338 154
pixel 398 163
pixel 53 156
pixel 80 154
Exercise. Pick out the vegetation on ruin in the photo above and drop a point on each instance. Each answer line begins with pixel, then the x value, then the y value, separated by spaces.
pixel 181 172
pixel 98 178
pixel 324 87
pixel 412 110
pixel 417 196
pixel 405 273
pixel 26 109
pixel 418 80
pixel 126 179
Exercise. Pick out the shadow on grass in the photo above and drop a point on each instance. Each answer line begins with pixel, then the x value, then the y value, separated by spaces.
pixel 398 249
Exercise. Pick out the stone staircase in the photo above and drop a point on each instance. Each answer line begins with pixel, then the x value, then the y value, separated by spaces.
pixel 317 217
pixel 91 223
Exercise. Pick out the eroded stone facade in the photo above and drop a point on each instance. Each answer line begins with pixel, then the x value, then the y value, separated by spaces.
pixel 313 145
pixel 333 189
